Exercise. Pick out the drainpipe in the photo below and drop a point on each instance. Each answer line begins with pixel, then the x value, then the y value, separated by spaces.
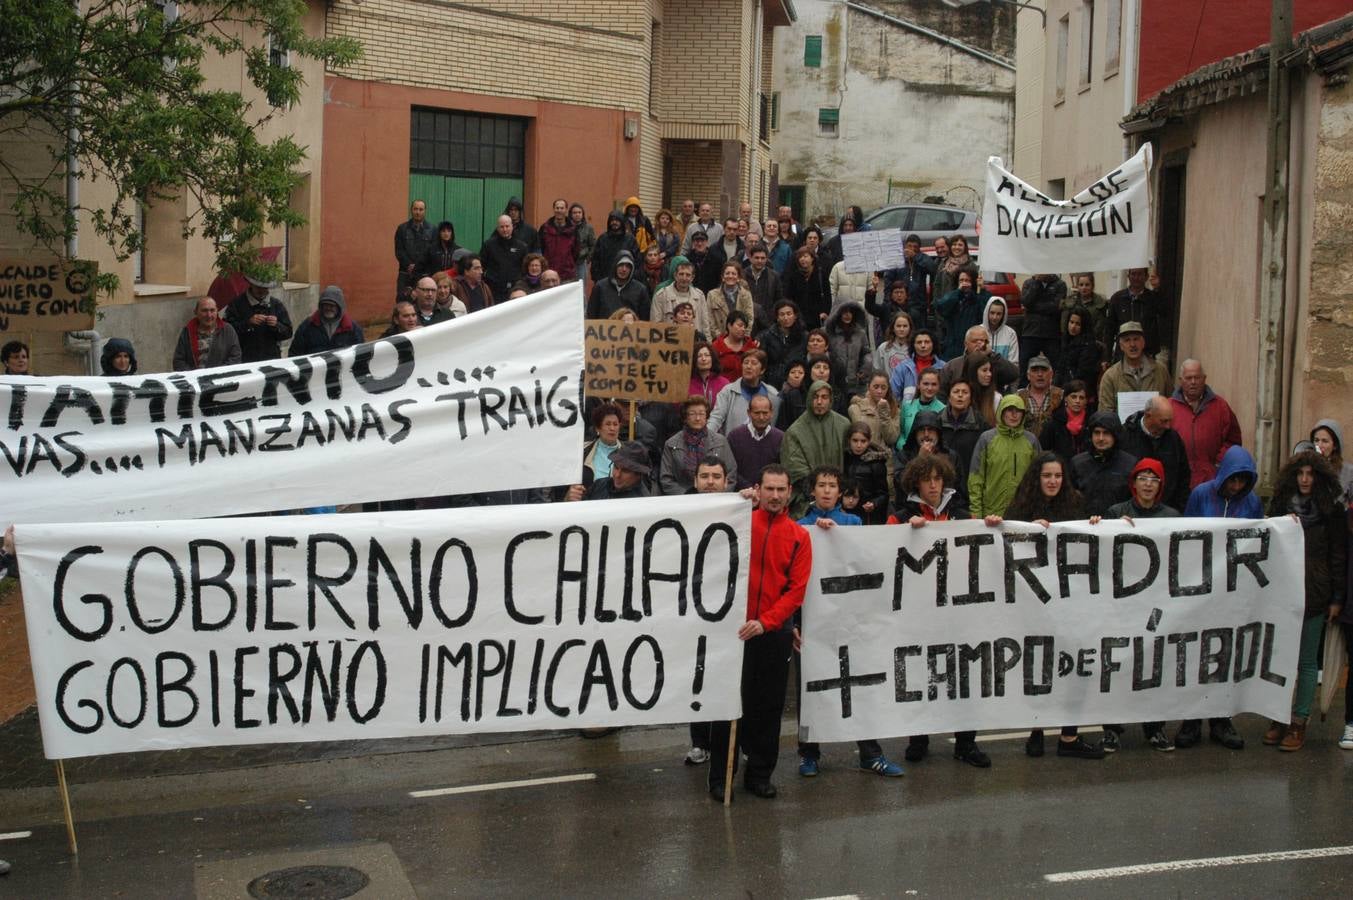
pixel 94 351
pixel 1268 443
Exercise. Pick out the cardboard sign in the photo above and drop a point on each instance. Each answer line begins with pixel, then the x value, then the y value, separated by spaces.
pixel 640 361
pixel 958 626
pixel 157 635
pixel 46 294
pixel 873 251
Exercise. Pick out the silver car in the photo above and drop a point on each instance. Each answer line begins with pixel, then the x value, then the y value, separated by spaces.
pixel 927 221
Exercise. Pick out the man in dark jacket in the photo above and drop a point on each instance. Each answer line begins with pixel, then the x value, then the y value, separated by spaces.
pixel 470 287
pixel 502 255
pixel 425 303
pixel 1042 298
pixel 1138 303
pixel 708 266
pixel 763 283
pixel 1101 473
pixel 916 272
pixel 328 328
pixel 413 239
pixel 620 290
pixel 522 231
pixel 1148 433
pixel 206 342
pixel 609 244
pixel 559 242
pixel 630 467
pixel 960 309
pixel 260 320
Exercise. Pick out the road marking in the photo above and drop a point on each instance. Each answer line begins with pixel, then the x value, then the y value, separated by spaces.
pixel 1180 865
pixel 840 897
pixel 502 785
pixel 15 835
pixel 1021 735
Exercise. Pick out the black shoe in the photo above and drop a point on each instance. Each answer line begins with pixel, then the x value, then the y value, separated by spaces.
pixel 763 789
pixel 1079 749
pixel 1188 735
pixel 1034 745
pixel 917 750
pixel 1110 742
pixel 972 755
pixel 716 792
pixel 1225 733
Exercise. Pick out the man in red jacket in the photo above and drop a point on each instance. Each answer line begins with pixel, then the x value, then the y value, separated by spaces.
pixel 1204 420
pixel 781 560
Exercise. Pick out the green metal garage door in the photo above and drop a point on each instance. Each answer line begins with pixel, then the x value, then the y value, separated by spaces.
pixel 466 167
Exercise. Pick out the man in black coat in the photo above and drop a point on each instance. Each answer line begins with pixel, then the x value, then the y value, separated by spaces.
pixel 1101 473
pixel 260 320
pixel 502 255
pixel 413 239
pixel 1138 303
pixel 1041 298
pixel 1148 434
pixel 619 291
pixel 609 245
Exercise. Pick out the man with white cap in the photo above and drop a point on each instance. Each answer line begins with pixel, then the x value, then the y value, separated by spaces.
pixel 259 319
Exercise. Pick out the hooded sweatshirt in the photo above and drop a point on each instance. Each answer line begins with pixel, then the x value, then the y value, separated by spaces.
pixel 998 462
pixel 960 310
pixel 112 348
pixel 317 334
pixel 1103 477
pixel 1346 470
pixel 1003 340
pixel 850 347
pixel 639 225
pixel 609 244
pixel 522 231
pixel 614 293
pixel 1206 499
pixel 812 441
pixel 1135 510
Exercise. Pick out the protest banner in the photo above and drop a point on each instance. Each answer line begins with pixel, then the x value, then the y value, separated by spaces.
pixel 158 635
pixel 958 626
pixel 645 361
pixel 46 294
pixel 476 404
pixel 872 251
pixel 1105 226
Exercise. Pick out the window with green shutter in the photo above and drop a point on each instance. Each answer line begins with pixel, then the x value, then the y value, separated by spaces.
pixel 812 51
pixel 828 121
pixel 775 111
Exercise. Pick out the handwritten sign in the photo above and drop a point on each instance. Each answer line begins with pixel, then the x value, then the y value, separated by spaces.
pixel 641 361
pixel 872 251
pixel 156 635
pixel 46 294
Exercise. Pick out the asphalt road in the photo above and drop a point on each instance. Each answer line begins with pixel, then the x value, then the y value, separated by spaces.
pixel 626 818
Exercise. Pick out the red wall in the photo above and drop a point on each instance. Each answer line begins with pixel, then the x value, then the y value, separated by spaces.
pixel 1179 36
pixel 575 152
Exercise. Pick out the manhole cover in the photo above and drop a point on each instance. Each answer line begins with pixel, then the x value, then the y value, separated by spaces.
pixel 309 883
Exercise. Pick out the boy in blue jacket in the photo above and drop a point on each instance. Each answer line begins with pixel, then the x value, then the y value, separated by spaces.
pixel 1228 496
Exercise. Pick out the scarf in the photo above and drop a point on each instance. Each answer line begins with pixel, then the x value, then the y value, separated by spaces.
pixel 923 363
pixel 1075 422
pixel 694 449
pixel 1304 508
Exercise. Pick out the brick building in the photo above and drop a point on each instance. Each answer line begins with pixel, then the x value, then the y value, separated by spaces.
pixel 464 105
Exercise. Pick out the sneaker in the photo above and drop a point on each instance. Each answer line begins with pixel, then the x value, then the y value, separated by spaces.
pixel 1275 734
pixel 807 767
pixel 1189 734
pixel 880 765
pixel 1034 745
pixel 1079 749
pixel 972 755
pixel 917 751
pixel 1346 742
pixel 1160 741
pixel 1110 742
pixel 696 756
pixel 1225 733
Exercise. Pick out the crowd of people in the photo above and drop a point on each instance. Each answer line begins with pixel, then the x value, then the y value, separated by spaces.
pixel 837 399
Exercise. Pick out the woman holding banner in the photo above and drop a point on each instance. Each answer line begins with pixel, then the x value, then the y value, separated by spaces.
pixel 1045 495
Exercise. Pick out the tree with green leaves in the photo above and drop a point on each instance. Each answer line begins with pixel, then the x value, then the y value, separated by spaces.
pixel 118 86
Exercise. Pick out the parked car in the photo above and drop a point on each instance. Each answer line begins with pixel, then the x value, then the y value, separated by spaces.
pixel 926 220
pixel 1004 285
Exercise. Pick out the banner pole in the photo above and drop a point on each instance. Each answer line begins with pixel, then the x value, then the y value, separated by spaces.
pixel 65 807
pixel 634 406
pixel 732 758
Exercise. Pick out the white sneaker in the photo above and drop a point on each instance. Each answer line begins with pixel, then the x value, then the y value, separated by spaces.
pixel 1347 740
pixel 695 756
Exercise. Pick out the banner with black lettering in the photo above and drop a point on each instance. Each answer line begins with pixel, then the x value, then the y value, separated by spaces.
pixel 158 635
pixel 489 401
pixel 958 626
pixel 1105 226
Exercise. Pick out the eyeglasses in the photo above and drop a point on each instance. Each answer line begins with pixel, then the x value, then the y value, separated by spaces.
pixel 1147 476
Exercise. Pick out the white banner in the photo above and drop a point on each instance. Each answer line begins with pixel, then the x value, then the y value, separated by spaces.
pixel 957 626
pixel 490 401
pixel 158 635
pixel 872 251
pixel 1105 226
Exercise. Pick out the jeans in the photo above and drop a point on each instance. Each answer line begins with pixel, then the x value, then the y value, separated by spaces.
pixel 1308 664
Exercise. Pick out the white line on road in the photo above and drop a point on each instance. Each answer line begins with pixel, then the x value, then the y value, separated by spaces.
pixel 1210 862
pixel 840 897
pixel 502 785
pixel 15 835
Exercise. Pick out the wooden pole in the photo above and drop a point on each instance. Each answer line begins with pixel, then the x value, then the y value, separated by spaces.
pixel 65 807
pixel 732 758
pixel 634 407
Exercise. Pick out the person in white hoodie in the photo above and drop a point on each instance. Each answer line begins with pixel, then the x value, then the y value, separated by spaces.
pixel 1003 338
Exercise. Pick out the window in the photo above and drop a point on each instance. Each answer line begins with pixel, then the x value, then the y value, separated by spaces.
pixel 898 217
pixel 279 57
pixel 453 143
pixel 1087 53
pixel 654 44
pixel 828 121
pixel 936 220
pixel 812 51
pixel 170 10
pixel 775 111
pixel 139 254
pixel 1113 35
pixel 1063 39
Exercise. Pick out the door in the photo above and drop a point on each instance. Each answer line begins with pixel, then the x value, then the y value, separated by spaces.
pixel 466 166
pixel 1170 243
pixel 793 196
